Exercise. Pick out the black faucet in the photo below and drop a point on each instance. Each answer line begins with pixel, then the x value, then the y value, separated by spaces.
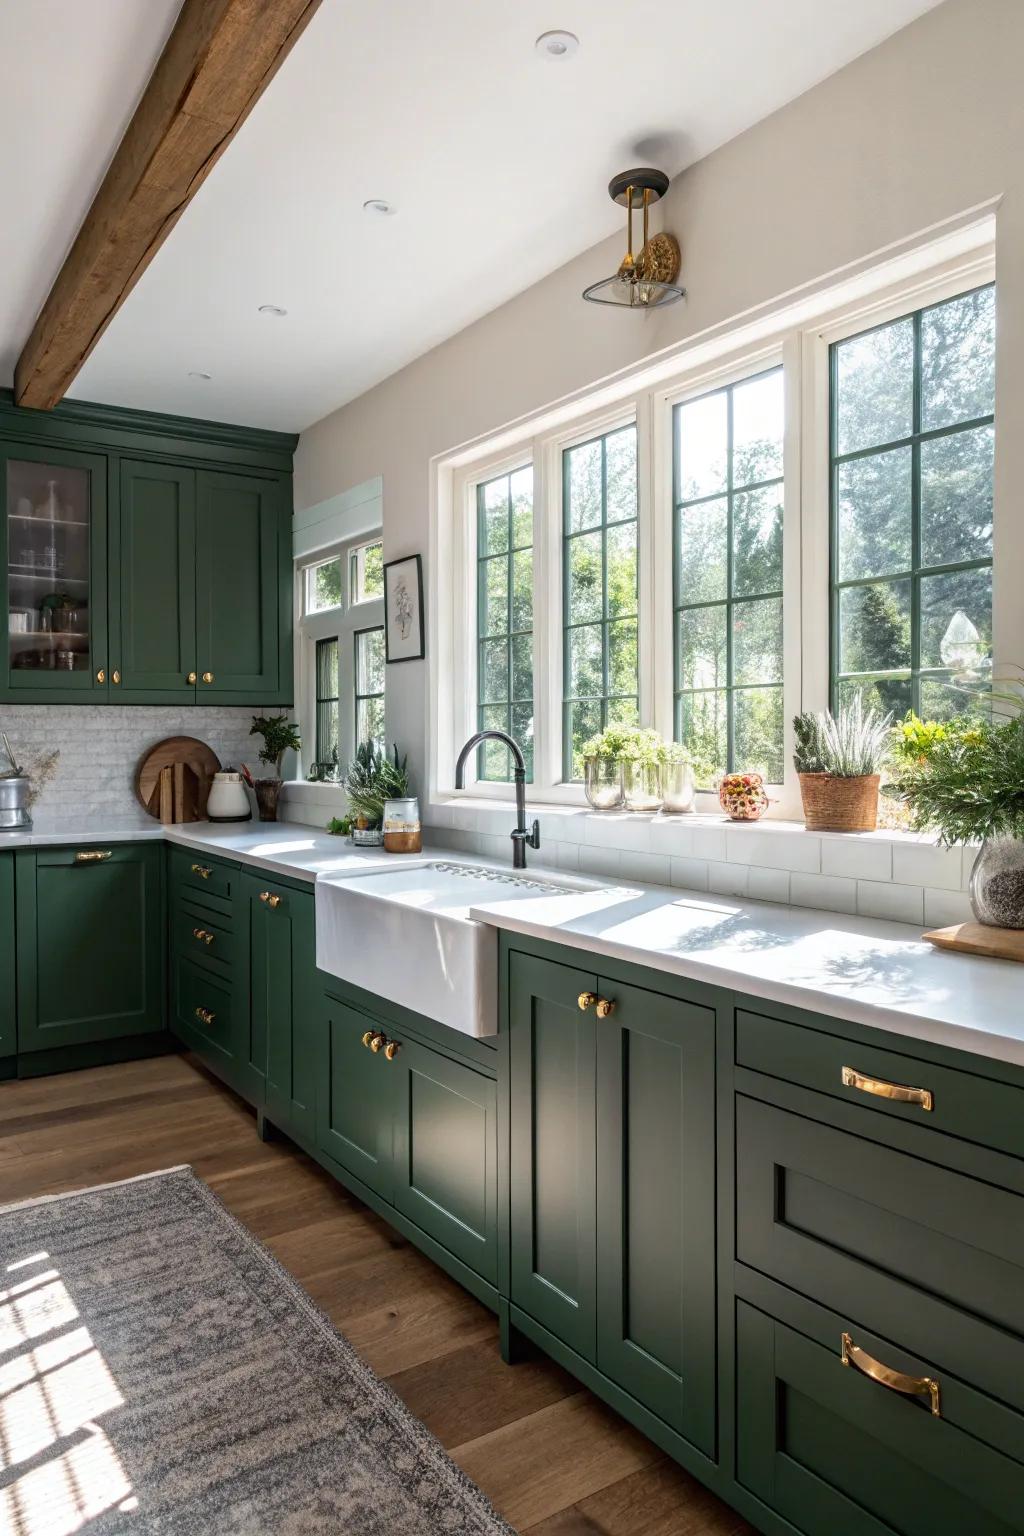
pixel 521 835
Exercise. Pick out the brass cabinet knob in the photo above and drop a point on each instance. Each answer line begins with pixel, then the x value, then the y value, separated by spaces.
pixel 270 900
pixel 203 935
pixel 368 1037
pixel 207 677
pixel 101 676
pixel 377 1039
pixel 605 1007
pixel 205 1016
pixel 192 678
pixel 392 1049
pixel 586 1000
pixel 115 676
pixel 202 870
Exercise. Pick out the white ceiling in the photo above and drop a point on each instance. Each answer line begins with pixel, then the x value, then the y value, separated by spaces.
pixel 496 159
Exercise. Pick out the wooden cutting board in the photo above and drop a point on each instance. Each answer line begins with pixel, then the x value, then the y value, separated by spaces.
pixel 980 939
pixel 172 781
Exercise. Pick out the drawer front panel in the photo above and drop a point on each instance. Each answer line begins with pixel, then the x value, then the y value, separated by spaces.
pixel 831 1449
pixel 941 1099
pixel 203 937
pixel 197 872
pixel 914 1250
pixel 205 1005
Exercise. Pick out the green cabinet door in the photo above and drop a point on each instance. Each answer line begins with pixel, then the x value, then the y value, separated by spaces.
pixel 91 944
pixel 445 1153
pixel 356 1098
pixel 283 1001
pixel 553 1170
pixel 8 1014
pixel 656 1205
pixel 238 587
pixel 153 585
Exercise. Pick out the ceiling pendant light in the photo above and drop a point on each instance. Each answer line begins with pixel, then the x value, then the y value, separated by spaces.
pixel 647 280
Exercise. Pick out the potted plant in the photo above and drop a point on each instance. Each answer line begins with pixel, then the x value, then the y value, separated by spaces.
pixel 839 759
pixel 280 735
pixel 372 778
pixel 965 780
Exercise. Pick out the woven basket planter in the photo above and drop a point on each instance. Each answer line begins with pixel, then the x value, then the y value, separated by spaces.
pixel 839 805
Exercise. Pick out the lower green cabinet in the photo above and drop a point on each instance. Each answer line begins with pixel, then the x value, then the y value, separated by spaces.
pixel 283 1001
pixel 91 944
pixel 356 1104
pixel 8 998
pixel 613 1182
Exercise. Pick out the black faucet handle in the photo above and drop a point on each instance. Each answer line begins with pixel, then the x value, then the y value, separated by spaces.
pixel 534 838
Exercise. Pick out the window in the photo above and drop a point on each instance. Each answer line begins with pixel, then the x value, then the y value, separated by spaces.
pixel 728 500
pixel 369 663
pixel 340 656
pixel 600 606
pixel 912 441
pixel 505 619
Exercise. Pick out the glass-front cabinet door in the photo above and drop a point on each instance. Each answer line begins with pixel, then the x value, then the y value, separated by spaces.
pixel 54 554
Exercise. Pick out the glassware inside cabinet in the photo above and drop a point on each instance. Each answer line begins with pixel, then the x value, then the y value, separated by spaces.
pixel 48 518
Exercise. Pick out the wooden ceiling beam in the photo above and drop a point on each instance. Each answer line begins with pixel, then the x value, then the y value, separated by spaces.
pixel 219 59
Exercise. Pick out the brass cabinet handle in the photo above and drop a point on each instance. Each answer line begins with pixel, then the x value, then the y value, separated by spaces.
pixel 922 1097
pixel 192 678
pixel 271 901
pixel 605 1007
pixel 392 1049
pixel 203 935
pixel 377 1039
pixel 586 1000
pixel 115 676
pixel 101 676
pixel 205 1015
pixel 92 855
pixel 207 677
pixel 202 870
pixel 896 1381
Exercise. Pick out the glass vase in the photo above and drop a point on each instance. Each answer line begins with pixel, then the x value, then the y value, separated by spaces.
pixel 267 793
pixel 997 883
pixel 642 786
pixel 602 780
pixel 679 787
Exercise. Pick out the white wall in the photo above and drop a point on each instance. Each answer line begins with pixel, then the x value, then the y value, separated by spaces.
pixel 924 127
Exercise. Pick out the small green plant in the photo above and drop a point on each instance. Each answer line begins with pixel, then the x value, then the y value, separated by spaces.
pixel 849 745
pixel 914 740
pixel 280 735
pixel 339 826
pixel 371 779
pixel 970 786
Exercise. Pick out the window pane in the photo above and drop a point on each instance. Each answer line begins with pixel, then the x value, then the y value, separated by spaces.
pixel 586 572
pixel 584 485
pixel 703 570
pixel 956 619
pixel 621 554
pixel 522 668
pixel 756 645
pixel 586 676
pixel 875 387
pixel 622 658
pixel 757 542
pixel 493 763
pixel 758 731
pixel 371 572
pixel 958 360
pixel 874 627
pixel 956 497
pixel 323 585
pixel 702 726
pixel 522 589
pixel 942 700
pixel 370 721
pixel 621 452
pixel 702 658
pixel 521 494
pixel 702 446
pixel 583 721
pixel 494 595
pixel 505 618
pixel 758 410
pixel 326 745
pixel 874 515
pixel 493 509
pixel 494 672
pixel 889 696
pixel 370 663
pixel 522 731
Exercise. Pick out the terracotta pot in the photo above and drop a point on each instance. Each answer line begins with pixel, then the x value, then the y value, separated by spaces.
pixel 267 793
pixel 839 805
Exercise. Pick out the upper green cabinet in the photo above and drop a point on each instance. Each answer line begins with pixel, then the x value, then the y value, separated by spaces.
pixel 147 560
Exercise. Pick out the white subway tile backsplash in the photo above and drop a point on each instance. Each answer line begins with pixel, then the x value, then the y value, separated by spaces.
pixel 774 850
pixel 856 857
pixel 566 855
pixel 599 861
pixel 620 830
pixel 828 893
pixel 648 868
pixel 899 903
pixel 727 879
pixel 925 864
pixel 944 908
pixel 768 884
pixel 689 874
pixel 709 843
pixel 671 835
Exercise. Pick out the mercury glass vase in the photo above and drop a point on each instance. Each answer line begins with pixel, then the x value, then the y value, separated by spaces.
pixel 997 883
pixel 603 782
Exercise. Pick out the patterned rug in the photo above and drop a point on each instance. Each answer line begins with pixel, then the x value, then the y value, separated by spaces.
pixel 161 1373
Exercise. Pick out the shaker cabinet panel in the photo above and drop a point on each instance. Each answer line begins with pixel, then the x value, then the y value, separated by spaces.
pixel 283 1001
pixel 356 1100
pixel 153 599
pixel 238 575
pixel 8 1001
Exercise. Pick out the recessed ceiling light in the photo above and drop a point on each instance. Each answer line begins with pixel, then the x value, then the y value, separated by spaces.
pixel 272 309
pixel 557 45
pixel 197 373
pixel 380 207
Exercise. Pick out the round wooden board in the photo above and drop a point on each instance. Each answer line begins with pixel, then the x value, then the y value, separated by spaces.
pixel 172 781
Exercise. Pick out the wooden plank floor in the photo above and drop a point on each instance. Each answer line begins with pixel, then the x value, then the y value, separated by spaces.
pixel 554 1460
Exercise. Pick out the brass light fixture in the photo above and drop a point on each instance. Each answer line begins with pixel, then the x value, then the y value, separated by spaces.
pixel 647 280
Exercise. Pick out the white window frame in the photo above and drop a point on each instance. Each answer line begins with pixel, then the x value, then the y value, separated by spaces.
pixel 341 623
pixel 798 337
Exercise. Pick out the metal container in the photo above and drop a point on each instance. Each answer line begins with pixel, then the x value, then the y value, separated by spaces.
pixel 14 811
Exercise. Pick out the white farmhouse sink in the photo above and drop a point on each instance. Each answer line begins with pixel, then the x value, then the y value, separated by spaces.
pixel 406 934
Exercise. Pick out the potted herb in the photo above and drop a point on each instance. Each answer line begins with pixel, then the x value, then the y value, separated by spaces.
pixel 371 779
pixel 279 736
pixel 839 759
pixel 966 781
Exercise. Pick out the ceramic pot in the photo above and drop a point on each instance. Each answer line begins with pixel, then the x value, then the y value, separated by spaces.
pixel 267 793
pixel 997 883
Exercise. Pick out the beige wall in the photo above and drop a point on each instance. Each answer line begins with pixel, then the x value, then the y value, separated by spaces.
pixel 924 127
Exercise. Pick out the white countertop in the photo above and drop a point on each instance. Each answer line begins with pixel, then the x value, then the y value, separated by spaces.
pixel 871 972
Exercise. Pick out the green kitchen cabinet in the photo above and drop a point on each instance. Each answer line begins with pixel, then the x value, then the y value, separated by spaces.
pixel 91 943
pixel 613 1182
pixel 284 1001
pixel 357 1098
pixel 8 998
pixel 153 584
pixel 242 653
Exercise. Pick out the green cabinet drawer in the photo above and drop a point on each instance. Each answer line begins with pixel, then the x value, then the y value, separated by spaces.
pixel 833 1450
pixel 940 1098
pixel 204 1017
pixel 204 937
pixel 8 1010
pixel 205 876
pixel 913 1250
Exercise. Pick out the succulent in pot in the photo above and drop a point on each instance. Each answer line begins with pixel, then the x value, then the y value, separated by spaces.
pixel 839 759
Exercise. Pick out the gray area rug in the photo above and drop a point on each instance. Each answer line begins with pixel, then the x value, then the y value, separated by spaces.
pixel 161 1373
